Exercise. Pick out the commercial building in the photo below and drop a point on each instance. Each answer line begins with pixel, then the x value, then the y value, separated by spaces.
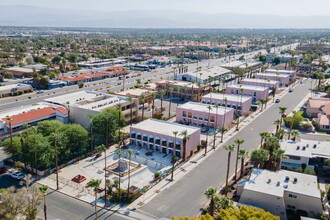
pixel 14 89
pixel 204 75
pixel 136 93
pixel 84 77
pixel 261 82
pixel 84 103
pixel 31 115
pixel 278 191
pixel 283 79
pixel 183 89
pixel 256 92
pixel 96 63
pixel 291 73
pixel 240 103
pixel 198 114
pixel 242 64
pixel 157 135
pixel 307 154
pixel 18 72
pixel 115 71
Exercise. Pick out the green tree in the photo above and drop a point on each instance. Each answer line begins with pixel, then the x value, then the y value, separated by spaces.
pixel 211 193
pixel 239 143
pixel 129 152
pixel 43 189
pixel 223 202
pixel 228 148
pixel 14 149
pixel 259 157
pixel 243 154
pixel 142 99
pixel 245 212
pixel 46 128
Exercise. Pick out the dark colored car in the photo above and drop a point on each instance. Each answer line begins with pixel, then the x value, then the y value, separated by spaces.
pixel 3 169
pixel 277 101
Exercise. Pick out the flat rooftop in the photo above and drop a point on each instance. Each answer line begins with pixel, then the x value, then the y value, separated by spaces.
pixel 280 71
pixel 201 107
pixel 273 75
pixel 88 100
pixel 259 182
pixel 307 148
pixel 241 64
pixel 163 127
pixel 206 72
pixel 252 80
pixel 13 86
pixel 19 69
pixel 134 92
pixel 247 87
pixel 179 83
pixel 229 97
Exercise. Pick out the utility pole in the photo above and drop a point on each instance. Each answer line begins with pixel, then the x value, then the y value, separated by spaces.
pixel 56 162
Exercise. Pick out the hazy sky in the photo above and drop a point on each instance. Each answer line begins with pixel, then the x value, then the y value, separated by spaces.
pixel 277 7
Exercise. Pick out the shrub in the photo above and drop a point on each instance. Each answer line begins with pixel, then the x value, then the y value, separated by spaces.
pixel 156 175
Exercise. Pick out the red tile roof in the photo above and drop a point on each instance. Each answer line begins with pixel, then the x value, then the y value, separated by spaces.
pixel 31 115
pixel 72 79
pixel 96 75
pixel 62 110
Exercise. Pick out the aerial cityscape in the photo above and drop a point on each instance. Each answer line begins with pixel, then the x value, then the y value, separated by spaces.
pixel 177 110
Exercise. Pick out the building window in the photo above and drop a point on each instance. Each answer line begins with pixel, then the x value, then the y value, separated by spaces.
pixel 184 114
pixel 294 157
pixel 189 114
pixel 291 207
pixel 255 94
pixel 293 196
pixel 212 118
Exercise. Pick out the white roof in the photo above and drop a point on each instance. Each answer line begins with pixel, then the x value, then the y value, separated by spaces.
pixel 259 182
pixel 179 83
pixel 20 69
pixel 241 64
pixel 280 71
pixel 88 100
pixel 229 97
pixel 163 127
pixel 306 148
pixel 247 87
pixel 13 86
pixel 253 80
pixel 273 75
pixel 201 107
pixel 212 72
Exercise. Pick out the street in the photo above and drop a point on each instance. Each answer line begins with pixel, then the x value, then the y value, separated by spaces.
pixel 186 196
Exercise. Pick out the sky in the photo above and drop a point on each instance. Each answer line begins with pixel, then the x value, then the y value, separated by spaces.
pixel 273 7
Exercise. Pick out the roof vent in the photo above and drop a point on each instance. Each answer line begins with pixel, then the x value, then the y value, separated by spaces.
pixel 314 146
pixel 297 148
pixel 278 183
pixel 304 148
pixel 307 145
pixel 295 180
pixel 287 178
pixel 285 186
pixel 269 180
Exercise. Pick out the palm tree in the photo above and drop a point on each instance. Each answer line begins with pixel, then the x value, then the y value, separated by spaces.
pixel 175 134
pixel 214 134
pixel 161 94
pixel 238 114
pixel 153 97
pixel 142 99
pixel 35 130
pixel 238 142
pixel 173 161
pixel 129 152
pixel 222 129
pixel 278 155
pixel 259 157
pixel 119 153
pixel 292 122
pixel 211 193
pixel 281 133
pixel 243 154
pixel 169 108
pixel 186 137
pixel 10 131
pixel 100 149
pixel 263 136
pixel 282 112
pixel 208 127
pixel 295 133
pixel 228 148
pixel 278 125
pixel 118 107
pixel 130 99
pixel 95 184
pixel 43 189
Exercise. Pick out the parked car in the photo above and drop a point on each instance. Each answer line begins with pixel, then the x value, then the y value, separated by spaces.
pixel 3 169
pixel 291 90
pixel 17 175
pixel 277 101
pixel 40 91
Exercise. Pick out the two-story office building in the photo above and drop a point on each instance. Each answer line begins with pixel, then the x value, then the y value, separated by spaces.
pixel 278 191
pixel 256 92
pixel 199 114
pixel 261 82
pixel 283 79
pixel 241 104
pixel 157 135
pixel 291 73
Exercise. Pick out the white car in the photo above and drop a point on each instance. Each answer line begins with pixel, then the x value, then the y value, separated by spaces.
pixel 17 175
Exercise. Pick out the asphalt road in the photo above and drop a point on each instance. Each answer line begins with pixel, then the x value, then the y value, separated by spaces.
pixel 186 196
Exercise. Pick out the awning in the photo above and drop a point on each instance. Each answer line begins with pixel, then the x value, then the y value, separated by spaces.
pixel 178 142
pixel 151 136
pixel 139 133
pixel 145 135
pixel 171 141
pixel 157 137
pixel 164 139
pixel 133 131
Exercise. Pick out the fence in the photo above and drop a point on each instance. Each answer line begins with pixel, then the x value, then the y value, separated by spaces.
pixel 70 183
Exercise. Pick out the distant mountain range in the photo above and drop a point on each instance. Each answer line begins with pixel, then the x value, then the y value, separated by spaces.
pixel 37 16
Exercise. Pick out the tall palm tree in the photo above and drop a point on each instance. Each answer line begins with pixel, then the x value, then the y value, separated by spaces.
pixel 142 99
pixel 214 134
pixel 238 114
pixel 173 161
pixel 43 189
pixel 185 89
pixel 281 134
pixel 263 136
pixel 222 129
pixel 282 112
pixel 208 127
pixel 10 130
pixel 100 149
pixel 292 122
pixel 278 125
pixel 175 134
pixel 228 148
pixel 211 193
pixel 186 137
pixel 129 152
pixel 243 154
pixel 131 101
pixel 55 136
pixel 259 157
pixel 278 155
pixel 171 94
pixel 153 97
pixel 161 94
pixel 238 142
pixel 295 133
pixel 119 108
pixel 119 153
pixel 95 184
